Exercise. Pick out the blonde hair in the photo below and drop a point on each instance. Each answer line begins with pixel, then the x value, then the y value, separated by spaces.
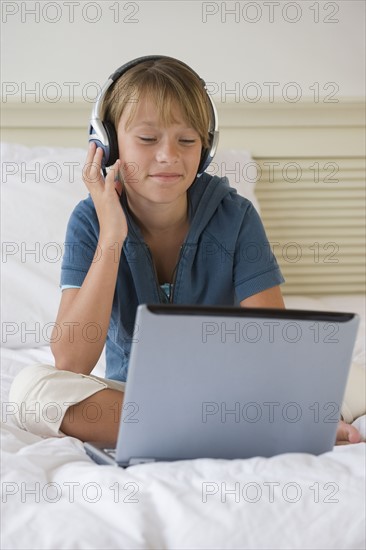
pixel 166 81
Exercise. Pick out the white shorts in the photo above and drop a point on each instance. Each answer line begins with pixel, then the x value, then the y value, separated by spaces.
pixel 41 394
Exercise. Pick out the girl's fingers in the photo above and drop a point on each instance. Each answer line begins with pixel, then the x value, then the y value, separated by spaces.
pixel 113 180
pixel 92 167
pixel 119 187
pixel 92 150
pixel 92 171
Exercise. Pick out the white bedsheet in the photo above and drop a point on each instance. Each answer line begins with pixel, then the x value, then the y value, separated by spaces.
pixel 317 502
pixel 55 497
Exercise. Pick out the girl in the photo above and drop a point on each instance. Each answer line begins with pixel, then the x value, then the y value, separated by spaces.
pixel 155 229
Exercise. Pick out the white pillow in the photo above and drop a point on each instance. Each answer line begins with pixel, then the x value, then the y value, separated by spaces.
pixel 35 209
pixel 240 169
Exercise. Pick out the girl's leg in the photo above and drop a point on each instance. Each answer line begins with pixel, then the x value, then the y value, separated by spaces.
pixel 96 418
pixel 51 402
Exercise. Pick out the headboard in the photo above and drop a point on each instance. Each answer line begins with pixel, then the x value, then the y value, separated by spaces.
pixel 309 166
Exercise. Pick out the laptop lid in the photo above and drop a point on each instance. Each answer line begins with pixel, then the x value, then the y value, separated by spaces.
pixel 231 382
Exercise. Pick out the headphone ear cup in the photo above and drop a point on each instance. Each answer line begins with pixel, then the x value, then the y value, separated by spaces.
pixel 208 154
pixel 113 143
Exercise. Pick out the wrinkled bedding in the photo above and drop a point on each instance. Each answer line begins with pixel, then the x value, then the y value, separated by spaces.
pixel 55 497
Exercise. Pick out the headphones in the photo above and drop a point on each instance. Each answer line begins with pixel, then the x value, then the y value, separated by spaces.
pixel 103 133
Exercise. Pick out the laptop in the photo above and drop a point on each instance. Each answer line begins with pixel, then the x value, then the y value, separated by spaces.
pixel 231 383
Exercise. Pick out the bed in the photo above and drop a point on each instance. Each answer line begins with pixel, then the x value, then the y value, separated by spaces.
pixel 55 497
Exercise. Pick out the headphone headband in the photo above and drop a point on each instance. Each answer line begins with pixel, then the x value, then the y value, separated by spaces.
pixel 104 134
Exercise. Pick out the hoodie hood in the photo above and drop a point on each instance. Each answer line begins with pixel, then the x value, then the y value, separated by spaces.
pixel 204 196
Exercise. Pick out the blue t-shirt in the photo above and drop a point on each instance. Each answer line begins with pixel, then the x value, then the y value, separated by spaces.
pixel 225 258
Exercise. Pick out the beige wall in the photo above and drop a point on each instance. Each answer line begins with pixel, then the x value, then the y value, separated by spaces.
pixel 318 46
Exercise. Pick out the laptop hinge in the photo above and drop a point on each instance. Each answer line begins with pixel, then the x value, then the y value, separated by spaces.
pixel 134 461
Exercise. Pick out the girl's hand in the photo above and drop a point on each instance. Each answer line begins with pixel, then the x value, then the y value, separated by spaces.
pixel 112 220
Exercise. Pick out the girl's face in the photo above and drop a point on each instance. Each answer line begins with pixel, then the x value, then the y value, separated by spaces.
pixel 158 163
